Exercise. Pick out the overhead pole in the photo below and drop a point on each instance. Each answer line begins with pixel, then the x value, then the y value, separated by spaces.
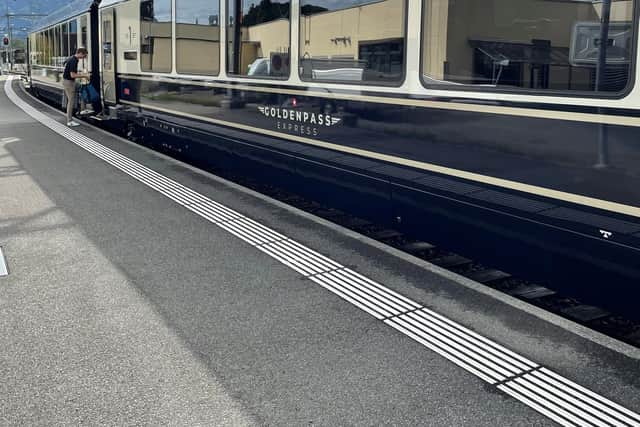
pixel 8 54
pixel 603 130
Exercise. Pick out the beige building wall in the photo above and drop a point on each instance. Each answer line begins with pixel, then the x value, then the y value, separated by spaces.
pixel 160 59
pixel 260 41
pixel 449 25
pixel 375 21
pixel 197 49
pixel 269 37
pixel 620 10
pixel 435 24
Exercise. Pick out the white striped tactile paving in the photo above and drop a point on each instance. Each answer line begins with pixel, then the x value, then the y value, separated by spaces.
pixel 4 271
pixel 541 389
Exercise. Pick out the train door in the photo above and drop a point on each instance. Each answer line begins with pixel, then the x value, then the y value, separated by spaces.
pixel 108 59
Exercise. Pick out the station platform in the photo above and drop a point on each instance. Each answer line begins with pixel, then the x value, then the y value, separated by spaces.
pixel 142 291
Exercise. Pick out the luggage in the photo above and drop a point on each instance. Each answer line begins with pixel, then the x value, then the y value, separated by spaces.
pixel 89 94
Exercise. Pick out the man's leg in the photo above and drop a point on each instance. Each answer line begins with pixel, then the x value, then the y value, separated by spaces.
pixel 70 92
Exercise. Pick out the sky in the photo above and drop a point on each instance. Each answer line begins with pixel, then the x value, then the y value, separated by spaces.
pixel 21 25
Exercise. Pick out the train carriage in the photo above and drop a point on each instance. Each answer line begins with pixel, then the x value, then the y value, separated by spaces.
pixel 54 39
pixel 504 129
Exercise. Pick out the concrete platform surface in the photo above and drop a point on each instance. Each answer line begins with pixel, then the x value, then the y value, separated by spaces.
pixel 123 307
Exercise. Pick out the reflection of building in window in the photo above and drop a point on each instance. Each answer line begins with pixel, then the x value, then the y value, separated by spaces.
pixel 197 49
pixel 73 37
pixel 197 37
pixel 260 45
pixel 155 35
pixel 349 40
pixel 65 40
pixel 524 43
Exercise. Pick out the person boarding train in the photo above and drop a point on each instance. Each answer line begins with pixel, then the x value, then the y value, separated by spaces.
pixel 70 75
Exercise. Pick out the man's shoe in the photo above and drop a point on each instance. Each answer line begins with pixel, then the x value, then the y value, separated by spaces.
pixel 73 124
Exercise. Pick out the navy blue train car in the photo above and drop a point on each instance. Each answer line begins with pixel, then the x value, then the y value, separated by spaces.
pixel 507 130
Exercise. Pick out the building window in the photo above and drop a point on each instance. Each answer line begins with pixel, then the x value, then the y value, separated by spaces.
pixel 258 41
pixel 540 45
pixel 352 41
pixel 198 36
pixel 155 35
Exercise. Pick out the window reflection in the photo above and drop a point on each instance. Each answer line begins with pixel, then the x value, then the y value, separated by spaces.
pixel 49 46
pixel 58 59
pixel 535 44
pixel 73 37
pixel 107 45
pixel 197 36
pixel 65 40
pixel 259 46
pixel 155 35
pixel 352 40
pixel 83 32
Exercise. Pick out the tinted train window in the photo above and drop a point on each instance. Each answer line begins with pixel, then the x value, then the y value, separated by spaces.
pixel 155 35
pixel 38 54
pixel 352 40
pixel 83 31
pixel 198 36
pixel 58 59
pixel 49 46
pixel 73 37
pixel 260 45
pixel 107 43
pixel 65 40
pixel 534 44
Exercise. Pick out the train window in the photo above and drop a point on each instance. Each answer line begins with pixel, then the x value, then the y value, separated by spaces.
pixel 260 45
pixel 197 37
pixel 65 40
pixel 58 59
pixel 107 44
pixel 73 36
pixel 352 41
pixel 538 45
pixel 36 49
pixel 83 31
pixel 48 46
pixel 155 35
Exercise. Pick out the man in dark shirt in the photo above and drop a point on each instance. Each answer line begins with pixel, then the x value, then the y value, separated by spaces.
pixel 69 77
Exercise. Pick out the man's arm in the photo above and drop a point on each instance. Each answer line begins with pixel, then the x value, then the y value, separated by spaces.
pixel 74 72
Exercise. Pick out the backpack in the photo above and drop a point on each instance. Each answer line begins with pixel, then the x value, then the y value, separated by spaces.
pixel 89 94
